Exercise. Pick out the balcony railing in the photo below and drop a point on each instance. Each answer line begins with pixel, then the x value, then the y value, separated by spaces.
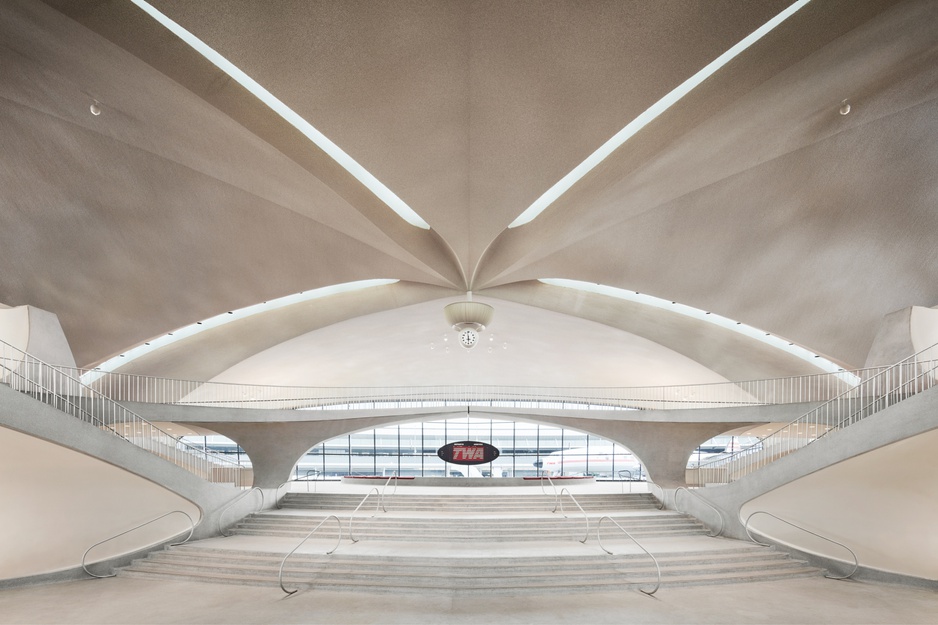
pixel 875 393
pixel 61 389
pixel 793 390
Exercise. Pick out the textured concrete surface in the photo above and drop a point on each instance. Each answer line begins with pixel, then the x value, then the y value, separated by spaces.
pixel 792 601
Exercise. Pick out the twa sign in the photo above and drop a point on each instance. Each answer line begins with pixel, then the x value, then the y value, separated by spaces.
pixel 467 452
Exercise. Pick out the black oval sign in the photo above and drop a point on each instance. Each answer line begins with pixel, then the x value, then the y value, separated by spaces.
pixel 467 452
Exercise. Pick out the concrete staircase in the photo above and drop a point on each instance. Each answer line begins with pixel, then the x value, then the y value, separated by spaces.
pixel 451 528
pixel 475 504
pixel 442 543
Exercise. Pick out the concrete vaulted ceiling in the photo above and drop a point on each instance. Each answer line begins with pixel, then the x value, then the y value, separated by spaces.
pixel 752 197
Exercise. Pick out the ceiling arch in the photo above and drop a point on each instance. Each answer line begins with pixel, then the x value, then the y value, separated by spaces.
pixel 752 197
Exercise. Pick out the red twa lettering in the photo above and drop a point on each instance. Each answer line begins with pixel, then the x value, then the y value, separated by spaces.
pixel 468 453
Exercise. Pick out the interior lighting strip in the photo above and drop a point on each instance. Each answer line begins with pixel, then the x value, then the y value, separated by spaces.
pixel 374 185
pixel 220 320
pixel 656 109
pixel 777 342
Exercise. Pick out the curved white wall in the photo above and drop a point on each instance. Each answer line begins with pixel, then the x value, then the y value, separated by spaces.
pixel 57 502
pixel 37 332
pixel 14 326
pixel 883 504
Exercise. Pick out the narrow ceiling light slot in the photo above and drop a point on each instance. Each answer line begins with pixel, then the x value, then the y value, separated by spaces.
pixel 656 109
pixel 225 318
pixel 374 185
pixel 717 320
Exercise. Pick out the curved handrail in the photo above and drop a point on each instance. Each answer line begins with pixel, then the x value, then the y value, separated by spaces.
pixel 233 502
pixel 699 498
pixel 279 497
pixel 373 491
pixel 856 561
pixel 84 555
pixel 552 485
pixel 660 499
pixel 559 501
pixel 623 480
pixel 394 477
pixel 640 546
pixel 284 561
pixel 315 472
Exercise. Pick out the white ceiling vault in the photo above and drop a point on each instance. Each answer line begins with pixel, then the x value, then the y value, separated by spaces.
pixel 751 198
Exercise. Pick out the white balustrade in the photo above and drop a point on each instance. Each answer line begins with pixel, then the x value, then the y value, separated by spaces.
pixel 875 392
pixel 62 389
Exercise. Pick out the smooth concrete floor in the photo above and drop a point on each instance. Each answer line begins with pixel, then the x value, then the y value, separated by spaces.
pixel 126 600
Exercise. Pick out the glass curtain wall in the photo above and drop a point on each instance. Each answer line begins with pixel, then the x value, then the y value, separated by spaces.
pixel 526 450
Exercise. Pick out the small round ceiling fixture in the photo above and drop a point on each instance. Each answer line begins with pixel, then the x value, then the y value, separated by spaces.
pixel 468 318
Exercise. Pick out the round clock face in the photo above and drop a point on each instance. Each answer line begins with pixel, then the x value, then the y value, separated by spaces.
pixel 468 338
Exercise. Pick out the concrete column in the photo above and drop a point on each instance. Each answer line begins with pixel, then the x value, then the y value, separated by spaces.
pixel 274 448
pixel 662 447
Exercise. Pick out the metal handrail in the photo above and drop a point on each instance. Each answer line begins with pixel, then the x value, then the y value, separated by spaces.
pixel 233 502
pixel 856 561
pixel 279 498
pixel 660 499
pixel 552 485
pixel 813 418
pixel 280 574
pixel 559 501
pixel 797 389
pixel 56 383
pixel 640 546
pixel 620 472
pixel 84 555
pixel 394 477
pixel 699 498
pixel 309 472
pixel 373 491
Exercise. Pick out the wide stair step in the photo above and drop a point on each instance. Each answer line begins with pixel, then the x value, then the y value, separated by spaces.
pixel 477 544
pixel 468 503
pixel 544 526
pixel 468 574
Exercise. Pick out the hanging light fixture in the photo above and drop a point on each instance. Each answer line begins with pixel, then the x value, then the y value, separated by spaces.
pixel 468 318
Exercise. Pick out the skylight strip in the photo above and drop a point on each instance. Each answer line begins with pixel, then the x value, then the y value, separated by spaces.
pixel 374 185
pixel 656 109
pixel 777 342
pixel 224 318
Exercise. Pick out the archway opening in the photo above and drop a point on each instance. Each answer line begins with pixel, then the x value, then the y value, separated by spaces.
pixel 526 449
